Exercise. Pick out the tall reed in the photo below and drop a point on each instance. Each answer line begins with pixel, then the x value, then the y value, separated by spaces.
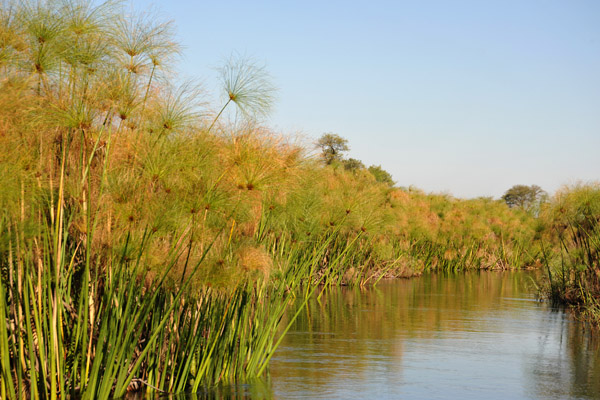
pixel 572 248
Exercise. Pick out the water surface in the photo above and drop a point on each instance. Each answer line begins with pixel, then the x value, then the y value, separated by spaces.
pixel 473 336
pixel 466 336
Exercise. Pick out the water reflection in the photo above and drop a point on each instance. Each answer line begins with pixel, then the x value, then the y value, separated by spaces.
pixel 258 389
pixel 472 336
pixel 466 336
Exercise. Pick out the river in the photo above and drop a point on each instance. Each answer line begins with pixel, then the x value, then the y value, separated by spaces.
pixel 464 336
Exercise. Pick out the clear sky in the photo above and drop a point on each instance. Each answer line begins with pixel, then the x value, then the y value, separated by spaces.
pixel 464 97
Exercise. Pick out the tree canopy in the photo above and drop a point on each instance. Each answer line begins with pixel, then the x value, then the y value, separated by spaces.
pixel 524 197
pixel 332 147
pixel 381 175
pixel 352 164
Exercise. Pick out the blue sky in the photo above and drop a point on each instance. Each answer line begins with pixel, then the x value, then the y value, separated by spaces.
pixel 463 97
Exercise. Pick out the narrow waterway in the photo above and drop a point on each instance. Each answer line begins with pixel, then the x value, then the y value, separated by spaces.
pixel 466 336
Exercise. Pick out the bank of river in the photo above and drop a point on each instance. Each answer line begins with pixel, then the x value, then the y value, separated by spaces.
pixel 465 336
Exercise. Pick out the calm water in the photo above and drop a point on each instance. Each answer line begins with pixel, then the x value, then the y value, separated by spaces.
pixel 473 336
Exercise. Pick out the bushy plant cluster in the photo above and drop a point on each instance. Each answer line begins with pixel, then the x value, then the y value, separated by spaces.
pixel 570 224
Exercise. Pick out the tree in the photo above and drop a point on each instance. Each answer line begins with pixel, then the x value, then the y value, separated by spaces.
pixel 352 164
pixel 332 147
pixel 381 175
pixel 525 197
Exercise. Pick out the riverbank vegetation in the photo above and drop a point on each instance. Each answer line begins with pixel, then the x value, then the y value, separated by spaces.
pixel 570 223
pixel 147 243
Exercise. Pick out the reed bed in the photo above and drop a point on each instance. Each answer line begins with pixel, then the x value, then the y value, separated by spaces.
pixel 99 333
pixel 570 225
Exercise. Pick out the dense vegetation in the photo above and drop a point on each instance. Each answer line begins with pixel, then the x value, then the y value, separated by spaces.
pixel 571 245
pixel 143 240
